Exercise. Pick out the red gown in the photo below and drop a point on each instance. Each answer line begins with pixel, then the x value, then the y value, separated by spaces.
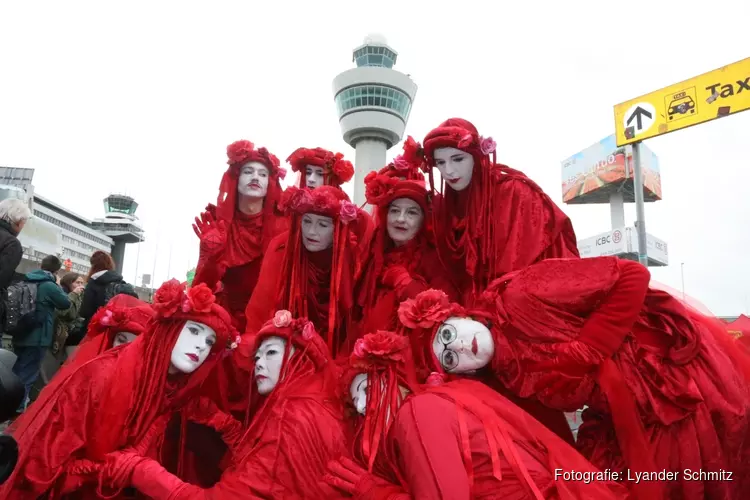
pixel 657 380
pixel 501 222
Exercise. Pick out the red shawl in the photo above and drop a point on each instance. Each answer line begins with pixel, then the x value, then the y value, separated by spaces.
pixel 112 401
pixel 502 222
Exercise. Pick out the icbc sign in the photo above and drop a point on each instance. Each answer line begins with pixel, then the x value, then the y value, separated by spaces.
pixel 615 237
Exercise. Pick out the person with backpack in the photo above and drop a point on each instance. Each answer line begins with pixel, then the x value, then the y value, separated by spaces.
pixel 33 336
pixel 13 216
pixel 103 284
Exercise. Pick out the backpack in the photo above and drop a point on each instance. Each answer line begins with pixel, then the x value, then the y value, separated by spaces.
pixel 20 308
pixel 118 288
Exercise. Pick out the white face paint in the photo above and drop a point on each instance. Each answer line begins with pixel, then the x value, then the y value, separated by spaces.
pixel 455 166
pixel 405 219
pixel 463 345
pixel 192 347
pixel 253 180
pixel 268 360
pixel 314 176
pixel 317 232
pixel 124 338
pixel 358 392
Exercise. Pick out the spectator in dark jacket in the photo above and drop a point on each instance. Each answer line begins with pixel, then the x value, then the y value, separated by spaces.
pixel 13 216
pixel 101 275
pixel 31 346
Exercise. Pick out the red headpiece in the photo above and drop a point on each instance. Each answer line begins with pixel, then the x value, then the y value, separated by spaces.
pixel 121 314
pixel 296 272
pixel 399 179
pixel 337 170
pixel 239 153
pixel 459 134
pixel 386 360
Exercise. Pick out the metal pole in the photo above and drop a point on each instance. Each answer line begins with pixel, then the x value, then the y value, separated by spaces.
pixel 137 258
pixel 640 210
pixel 682 274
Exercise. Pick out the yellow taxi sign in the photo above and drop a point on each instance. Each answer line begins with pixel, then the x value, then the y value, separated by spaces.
pixel 721 92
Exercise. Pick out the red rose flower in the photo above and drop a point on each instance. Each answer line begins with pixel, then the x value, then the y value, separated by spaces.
pixel 238 152
pixel 168 298
pixel 385 346
pixel 201 298
pixel 413 151
pixel 376 188
pixel 342 169
pixel 425 310
pixel 119 318
pixel 324 204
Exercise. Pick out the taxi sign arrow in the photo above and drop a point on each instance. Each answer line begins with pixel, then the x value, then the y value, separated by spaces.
pixel 638 114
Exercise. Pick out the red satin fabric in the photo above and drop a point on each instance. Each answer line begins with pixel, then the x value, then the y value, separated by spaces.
pixel 567 319
pixel 462 440
pixel 527 227
pixel 378 303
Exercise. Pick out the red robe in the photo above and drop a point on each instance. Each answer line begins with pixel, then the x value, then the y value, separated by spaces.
pixel 462 440
pixel 378 303
pixel 656 379
pixel 527 227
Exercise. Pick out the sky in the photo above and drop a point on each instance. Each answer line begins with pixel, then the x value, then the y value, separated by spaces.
pixel 142 98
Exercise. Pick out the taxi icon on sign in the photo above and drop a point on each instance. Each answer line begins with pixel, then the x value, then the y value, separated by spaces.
pixel 681 104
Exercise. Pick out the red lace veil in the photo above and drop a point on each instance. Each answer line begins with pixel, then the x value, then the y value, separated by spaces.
pixel 336 169
pixel 295 277
pixel 141 392
pixel 244 246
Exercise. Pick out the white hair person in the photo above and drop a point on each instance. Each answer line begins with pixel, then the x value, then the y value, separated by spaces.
pixel 15 212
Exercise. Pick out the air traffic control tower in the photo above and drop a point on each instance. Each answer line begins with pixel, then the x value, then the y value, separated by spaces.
pixel 121 224
pixel 373 102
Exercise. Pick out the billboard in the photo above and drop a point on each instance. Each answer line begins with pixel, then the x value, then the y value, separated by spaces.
pixel 591 175
pixel 623 242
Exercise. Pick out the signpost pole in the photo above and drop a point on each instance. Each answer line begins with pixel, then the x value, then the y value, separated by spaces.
pixel 640 209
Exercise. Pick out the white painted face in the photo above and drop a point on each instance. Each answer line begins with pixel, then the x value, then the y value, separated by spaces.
pixel 268 360
pixel 124 338
pixel 405 218
pixel 455 166
pixel 253 180
pixel 463 345
pixel 358 392
pixel 317 232
pixel 314 176
pixel 192 347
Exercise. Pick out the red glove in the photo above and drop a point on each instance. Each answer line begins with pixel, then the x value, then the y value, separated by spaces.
pixel 205 412
pixel 396 277
pixel 212 233
pixel 117 472
pixel 348 477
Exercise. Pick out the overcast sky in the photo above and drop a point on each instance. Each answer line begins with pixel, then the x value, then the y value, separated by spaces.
pixel 143 97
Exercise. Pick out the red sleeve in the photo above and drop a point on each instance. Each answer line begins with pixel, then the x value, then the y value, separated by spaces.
pixel 426 433
pixel 264 299
pixel 606 327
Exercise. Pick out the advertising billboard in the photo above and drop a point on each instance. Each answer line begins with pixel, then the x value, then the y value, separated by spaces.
pixel 591 175
pixel 623 242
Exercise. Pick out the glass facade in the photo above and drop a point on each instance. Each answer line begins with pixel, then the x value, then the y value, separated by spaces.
pixel 120 204
pixel 377 96
pixel 375 56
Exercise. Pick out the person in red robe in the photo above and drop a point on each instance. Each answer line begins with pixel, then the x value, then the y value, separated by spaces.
pixel 489 219
pixel 236 231
pixel 320 167
pixel 311 270
pixel 297 426
pixel 665 389
pixel 457 440
pixel 120 399
pixel 402 260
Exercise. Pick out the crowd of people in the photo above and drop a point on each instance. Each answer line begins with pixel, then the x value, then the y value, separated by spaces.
pixel 427 350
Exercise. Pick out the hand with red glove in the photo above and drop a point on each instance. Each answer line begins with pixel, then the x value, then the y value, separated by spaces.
pixel 347 476
pixel 212 233
pixel 205 412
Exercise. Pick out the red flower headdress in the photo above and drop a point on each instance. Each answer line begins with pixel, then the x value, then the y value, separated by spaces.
pixel 241 152
pixel 320 202
pixel 401 178
pixel 121 314
pixel 173 301
pixel 385 358
pixel 337 170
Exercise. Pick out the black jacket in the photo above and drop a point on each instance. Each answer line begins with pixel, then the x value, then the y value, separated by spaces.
pixel 11 253
pixel 94 295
